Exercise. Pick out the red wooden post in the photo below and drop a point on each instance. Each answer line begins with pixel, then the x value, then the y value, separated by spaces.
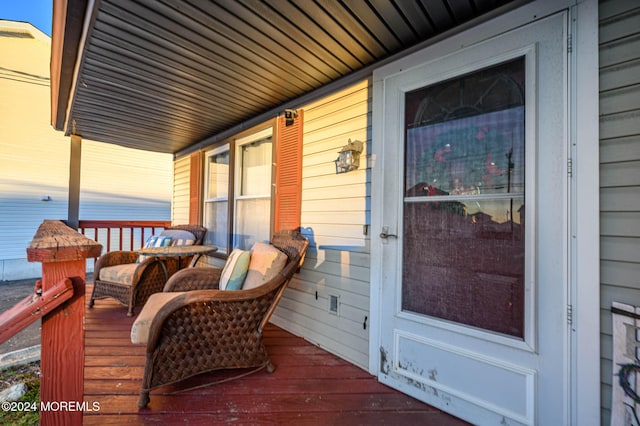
pixel 63 253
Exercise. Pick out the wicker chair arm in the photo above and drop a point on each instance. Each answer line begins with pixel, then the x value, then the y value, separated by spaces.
pixel 113 258
pixel 190 300
pixel 142 266
pixel 194 279
pixel 116 258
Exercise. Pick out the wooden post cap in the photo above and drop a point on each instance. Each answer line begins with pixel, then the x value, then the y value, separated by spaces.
pixel 56 242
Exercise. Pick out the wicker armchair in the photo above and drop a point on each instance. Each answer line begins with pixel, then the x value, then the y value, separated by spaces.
pixel 206 329
pixel 142 279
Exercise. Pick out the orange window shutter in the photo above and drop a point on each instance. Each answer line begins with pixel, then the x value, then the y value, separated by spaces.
pixel 195 179
pixel 288 174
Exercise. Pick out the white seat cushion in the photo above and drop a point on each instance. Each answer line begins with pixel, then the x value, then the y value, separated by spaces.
pixel 140 328
pixel 121 274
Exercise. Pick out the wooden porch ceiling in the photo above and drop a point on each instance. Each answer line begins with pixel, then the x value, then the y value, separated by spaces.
pixel 309 386
pixel 163 75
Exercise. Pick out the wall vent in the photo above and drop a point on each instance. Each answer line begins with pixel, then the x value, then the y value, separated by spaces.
pixel 333 304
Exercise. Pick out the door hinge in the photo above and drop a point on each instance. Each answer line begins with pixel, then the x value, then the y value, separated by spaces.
pixel 569 167
pixel 569 43
pixel 570 314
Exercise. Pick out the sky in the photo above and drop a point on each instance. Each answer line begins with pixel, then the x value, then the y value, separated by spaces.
pixel 36 12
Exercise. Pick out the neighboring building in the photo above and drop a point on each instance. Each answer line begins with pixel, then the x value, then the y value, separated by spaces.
pixel 422 269
pixel 117 183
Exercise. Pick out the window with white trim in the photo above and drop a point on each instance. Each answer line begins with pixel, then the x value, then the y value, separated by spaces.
pixel 247 194
pixel 238 182
pixel 216 200
pixel 252 195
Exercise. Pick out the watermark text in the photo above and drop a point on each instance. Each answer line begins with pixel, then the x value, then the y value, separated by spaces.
pixel 51 406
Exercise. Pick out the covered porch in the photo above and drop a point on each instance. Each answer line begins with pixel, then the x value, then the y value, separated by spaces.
pixel 212 83
pixel 309 386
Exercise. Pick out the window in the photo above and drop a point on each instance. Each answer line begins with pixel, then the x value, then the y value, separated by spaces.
pixel 253 189
pixel 464 198
pixel 216 203
pixel 238 192
pixel 241 179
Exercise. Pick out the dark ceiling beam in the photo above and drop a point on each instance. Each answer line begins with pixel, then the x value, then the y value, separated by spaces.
pixel 67 23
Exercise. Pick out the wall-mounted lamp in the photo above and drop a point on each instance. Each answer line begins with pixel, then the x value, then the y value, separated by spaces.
pixel 46 198
pixel 349 157
pixel 290 116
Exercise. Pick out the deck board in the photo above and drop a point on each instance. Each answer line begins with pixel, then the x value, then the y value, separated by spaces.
pixel 310 386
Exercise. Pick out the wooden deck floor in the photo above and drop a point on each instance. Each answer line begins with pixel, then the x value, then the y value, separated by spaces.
pixel 309 386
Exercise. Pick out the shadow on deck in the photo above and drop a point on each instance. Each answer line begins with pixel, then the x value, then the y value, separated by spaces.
pixel 309 386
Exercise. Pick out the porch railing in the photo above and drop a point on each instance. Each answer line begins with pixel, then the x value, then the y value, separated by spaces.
pixel 62 253
pixel 121 234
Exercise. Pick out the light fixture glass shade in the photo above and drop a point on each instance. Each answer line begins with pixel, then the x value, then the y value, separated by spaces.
pixel 349 157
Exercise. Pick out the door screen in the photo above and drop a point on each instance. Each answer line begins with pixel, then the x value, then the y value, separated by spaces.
pixel 463 210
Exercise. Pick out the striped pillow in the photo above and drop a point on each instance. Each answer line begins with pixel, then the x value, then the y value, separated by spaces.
pixel 235 270
pixel 159 241
pixel 179 237
pixel 155 241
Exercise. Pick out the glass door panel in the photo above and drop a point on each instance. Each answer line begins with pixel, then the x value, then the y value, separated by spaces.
pixel 464 196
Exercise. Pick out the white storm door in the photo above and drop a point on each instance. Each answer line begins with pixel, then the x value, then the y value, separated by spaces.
pixel 472 237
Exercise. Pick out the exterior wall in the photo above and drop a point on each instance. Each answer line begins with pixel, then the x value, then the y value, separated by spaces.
pixel 120 183
pixel 335 210
pixel 29 148
pixel 619 172
pixel 116 183
pixel 180 205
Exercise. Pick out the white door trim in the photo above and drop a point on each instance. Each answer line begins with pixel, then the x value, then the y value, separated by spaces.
pixel 585 217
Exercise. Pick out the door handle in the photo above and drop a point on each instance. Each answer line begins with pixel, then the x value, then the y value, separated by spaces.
pixel 385 233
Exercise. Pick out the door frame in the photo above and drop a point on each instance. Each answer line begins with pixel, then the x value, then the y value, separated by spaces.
pixel 583 310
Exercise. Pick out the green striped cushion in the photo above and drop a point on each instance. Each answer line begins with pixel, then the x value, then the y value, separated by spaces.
pixel 235 270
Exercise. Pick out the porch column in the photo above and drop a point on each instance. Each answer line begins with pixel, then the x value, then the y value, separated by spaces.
pixel 63 253
pixel 75 160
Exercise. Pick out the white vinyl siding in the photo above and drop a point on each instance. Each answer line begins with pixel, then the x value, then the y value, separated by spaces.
pixel 619 172
pixel 34 159
pixel 181 185
pixel 120 183
pixel 115 183
pixel 335 210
